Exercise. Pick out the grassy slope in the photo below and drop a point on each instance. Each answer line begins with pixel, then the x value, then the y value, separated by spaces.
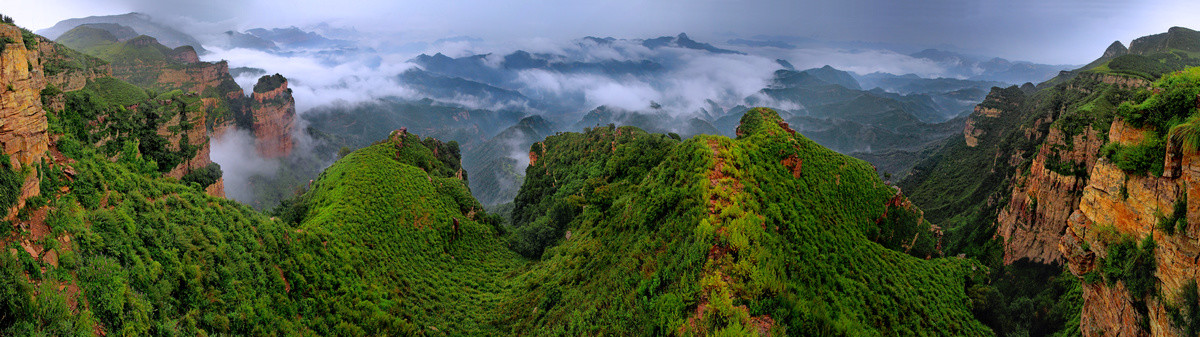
pixel 773 252
pixel 378 239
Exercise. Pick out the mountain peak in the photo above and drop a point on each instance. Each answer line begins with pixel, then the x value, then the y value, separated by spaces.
pixel 1175 38
pixel 1115 49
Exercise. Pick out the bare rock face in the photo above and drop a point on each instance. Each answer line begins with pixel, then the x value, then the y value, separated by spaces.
pixel 197 135
pixel 274 112
pixel 1132 205
pixel 22 119
pixel 1110 312
pixel 1036 216
pixel 195 77
pixel 185 54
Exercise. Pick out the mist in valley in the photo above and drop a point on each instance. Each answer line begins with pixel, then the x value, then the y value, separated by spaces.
pixel 356 74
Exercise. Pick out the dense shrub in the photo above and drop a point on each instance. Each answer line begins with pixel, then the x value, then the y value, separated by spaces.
pixel 268 83
pixel 10 184
pixel 1132 263
pixel 1144 158
pixel 204 176
pixel 1185 313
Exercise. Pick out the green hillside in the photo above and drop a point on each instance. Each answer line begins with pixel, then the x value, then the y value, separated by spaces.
pixel 615 231
pixel 765 233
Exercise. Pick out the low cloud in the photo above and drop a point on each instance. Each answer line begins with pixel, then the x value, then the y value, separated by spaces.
pixel 236 153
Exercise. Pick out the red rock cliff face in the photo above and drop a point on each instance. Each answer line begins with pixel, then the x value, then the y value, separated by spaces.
pixel 1114 201
pixel 1040 202
pixel 274 113
pixel 1043 199
pixel 22 120
pixel 198 135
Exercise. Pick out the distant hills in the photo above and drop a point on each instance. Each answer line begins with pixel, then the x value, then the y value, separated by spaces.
pixel 474 98
pixel 141 24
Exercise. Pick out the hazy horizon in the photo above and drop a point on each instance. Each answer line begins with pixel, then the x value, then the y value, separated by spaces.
pixel 1062 32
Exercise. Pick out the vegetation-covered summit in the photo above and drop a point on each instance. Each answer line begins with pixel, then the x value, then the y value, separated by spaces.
pixel 766 233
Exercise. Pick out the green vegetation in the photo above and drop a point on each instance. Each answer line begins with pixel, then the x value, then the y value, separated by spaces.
pixel 963 188
pixel 1029 299
pixel 722 224
pixel 1132 263
pixel 1144 158
pixel 146 256
pixel 10 184
pixel 204 176
pixel 114 101
pixel 4 41
pixel 1153 66
pixel 389 241
pixel 1177 221
pixel 65 59
pixel 268 83
pixel 1185 314
pixel 1173 101
pixel 393 223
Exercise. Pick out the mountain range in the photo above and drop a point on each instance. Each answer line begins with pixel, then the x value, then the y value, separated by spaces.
pixel 479 202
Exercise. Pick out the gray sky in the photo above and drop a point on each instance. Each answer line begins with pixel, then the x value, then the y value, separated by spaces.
pixel 1048 31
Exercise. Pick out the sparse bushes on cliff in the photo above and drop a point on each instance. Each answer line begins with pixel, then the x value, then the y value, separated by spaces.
pixel 1185 312
pixel 1145 158
pixel 10 186
pixel 1132 263
pixel 1177 220
pixel 1172 101
pixel 29 38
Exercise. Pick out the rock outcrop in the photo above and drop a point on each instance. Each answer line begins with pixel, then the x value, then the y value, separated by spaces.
pixel 1117 204
pixel 23 122
pixel 22 119
pixel 69 79
pixel 1040 202
pixel 274 112
pixel 996 104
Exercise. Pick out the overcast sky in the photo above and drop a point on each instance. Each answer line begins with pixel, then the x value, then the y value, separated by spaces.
pixel 1047 31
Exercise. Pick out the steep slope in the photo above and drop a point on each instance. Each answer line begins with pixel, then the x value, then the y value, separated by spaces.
pixel 396 221
pixel 111 249
pixel 274 112
pixel 768 233
pixel 1132 237
pixel 1021 184
pixel 32 69
pixel 497 165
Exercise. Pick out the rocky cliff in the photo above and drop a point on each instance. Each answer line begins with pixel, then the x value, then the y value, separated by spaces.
pixel 274 112
pixel 1117 204
pixel 1044 195
pixel 999 102
pixel 22 120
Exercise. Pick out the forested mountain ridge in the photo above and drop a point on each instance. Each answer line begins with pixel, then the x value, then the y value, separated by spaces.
pixel 766 233
pixel 660 234
pixel 1061 209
